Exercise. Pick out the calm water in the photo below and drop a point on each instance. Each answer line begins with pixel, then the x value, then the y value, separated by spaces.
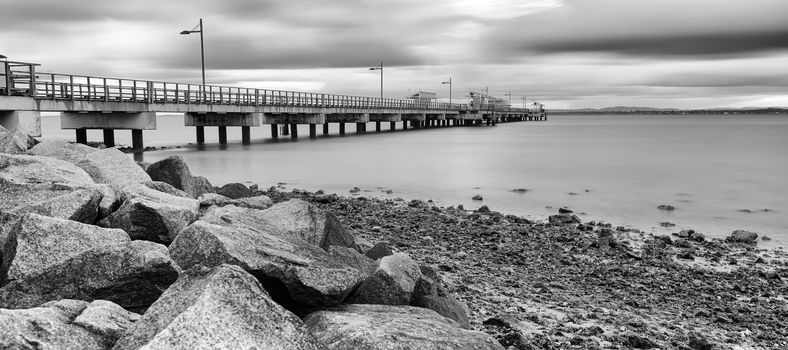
pixel 612 168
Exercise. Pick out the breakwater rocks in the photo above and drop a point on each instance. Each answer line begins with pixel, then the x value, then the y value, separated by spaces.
pixel 99 252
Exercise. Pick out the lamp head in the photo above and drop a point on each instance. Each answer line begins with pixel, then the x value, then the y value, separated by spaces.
pixel 3 57
pixel 185 32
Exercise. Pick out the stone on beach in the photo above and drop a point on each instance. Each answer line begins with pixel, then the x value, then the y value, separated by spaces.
pixel 15 142
pixel 292 270
pixel 64 324
pixel 392 283
pixel 257 202
pixel 70 152
pixel 174 171
pixel 24 169
pixel 113 167
pixel 152 215
pixel 563 219
pixel 392 328
pixel 378 251
pixel 217 308
pixel 38 242
pixel 742 236
pixel 447 307
pixel 316 226
pixel 235 191
pixel 131 274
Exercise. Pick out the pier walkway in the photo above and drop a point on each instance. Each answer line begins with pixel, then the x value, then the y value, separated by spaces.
pixel 108 104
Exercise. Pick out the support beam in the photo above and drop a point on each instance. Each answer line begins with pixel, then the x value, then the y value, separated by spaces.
pixel 377 126
pixel 312 131
pixel 246 135
pixel 392 126
pixel 325 128
pixel 223 135
pixel 404 125
pixel 274 131
pixel 136 139
pixel 200 135
pixel 360 128
pixel 109 137
pixel 294 131
pixel 82 136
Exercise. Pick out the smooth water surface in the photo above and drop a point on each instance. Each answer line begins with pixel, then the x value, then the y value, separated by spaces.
pixel 721 173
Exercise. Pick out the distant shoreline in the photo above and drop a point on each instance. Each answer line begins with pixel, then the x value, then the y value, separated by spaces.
pixel 669 111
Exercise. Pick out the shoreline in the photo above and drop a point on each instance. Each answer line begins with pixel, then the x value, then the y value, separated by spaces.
pixel 532 283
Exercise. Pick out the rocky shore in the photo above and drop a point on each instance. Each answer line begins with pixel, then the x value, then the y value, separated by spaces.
pixel 99 252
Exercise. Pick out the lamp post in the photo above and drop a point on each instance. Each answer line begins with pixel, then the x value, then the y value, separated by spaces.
pixel 510 98
pixel 202 48
pixel 524 101
pixel 448 82
pixel 381 77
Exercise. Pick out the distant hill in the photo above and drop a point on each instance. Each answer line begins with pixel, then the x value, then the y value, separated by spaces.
pixel 652 110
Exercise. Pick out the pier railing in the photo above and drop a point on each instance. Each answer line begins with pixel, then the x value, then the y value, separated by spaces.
pixel 55 86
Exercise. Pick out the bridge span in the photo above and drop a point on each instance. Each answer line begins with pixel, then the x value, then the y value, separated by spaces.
pixel 109 104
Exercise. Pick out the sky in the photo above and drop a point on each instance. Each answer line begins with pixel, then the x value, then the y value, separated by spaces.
pixel 563 53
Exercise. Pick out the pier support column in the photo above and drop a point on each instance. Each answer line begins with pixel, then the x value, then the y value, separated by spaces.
pixel 285 130
pixel 404 125
pixel 377 126
pixel 200 134
pixel 109 137
pixel 82 136
pixel 392 126
pixel 325 128
pixel 136 139
pixel 341 128
pixel 223 135
pixel 293 131
pixel 312 131
pixel 274 131
pixel 360 128
pixel 246 135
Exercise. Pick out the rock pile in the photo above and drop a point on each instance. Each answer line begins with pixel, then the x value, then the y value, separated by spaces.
pixel 99 253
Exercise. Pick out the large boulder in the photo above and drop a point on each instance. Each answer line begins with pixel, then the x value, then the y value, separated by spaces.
pixel 166 188
pixel 64 324
pixel 113 167
pixel 299 218
pixel 392 283
pixel 152 215
pixel 38 242
pixel 214 199
pixel 70 152
pixel 296 273
pixel 16 142
pixel 81 205
pixel 132 275
pixel 742 236
pixel 217 308
pixel 429 284
pixel 235 191
pixel 174 171
pixel 388 327
pixel 24 169
pixel 447 307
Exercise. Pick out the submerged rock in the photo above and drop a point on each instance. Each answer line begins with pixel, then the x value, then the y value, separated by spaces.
pixel 217 308
pixel 393 327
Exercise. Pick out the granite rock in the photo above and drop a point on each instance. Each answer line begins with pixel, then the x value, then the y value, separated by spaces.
pixel 392 283
pixel 113 167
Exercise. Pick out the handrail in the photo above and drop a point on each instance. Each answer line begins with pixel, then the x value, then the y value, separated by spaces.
pixel 54 86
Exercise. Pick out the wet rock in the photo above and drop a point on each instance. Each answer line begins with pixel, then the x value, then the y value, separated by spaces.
pixel 81 205
pixel 166 188
pixel 392 283
pixel 235 191
pixel 217 308
pixel 63 324
pixel 483 209
pixel 378 251
pixel 666 207
pixel 24 169
pixel 70 152
pixel 16 142
pixel 152 215
pixel 477 198
pixel 37 243
pixel 565 211
pixel 447 307
pixel 742 236
pixel 295 272
pixel 132 275
pixel 520 190
pixel 393 327
pixel 563 219
pixel 174 171
pixel 113 167
pixel 667 224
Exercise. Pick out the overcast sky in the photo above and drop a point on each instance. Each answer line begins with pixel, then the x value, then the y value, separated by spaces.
pixel 565 53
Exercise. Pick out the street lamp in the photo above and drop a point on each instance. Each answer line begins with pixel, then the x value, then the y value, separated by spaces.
pixel 202 48
pixel 524 101
pixel 510 98
pixel 448 82
pixel 381 77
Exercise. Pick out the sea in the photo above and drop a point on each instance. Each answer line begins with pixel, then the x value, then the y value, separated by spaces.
pixel 719 172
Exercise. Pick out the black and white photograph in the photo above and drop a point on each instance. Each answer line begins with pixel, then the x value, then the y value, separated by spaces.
pixel 393 174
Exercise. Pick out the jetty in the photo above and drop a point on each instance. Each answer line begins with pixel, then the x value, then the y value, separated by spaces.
pixel 89 102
